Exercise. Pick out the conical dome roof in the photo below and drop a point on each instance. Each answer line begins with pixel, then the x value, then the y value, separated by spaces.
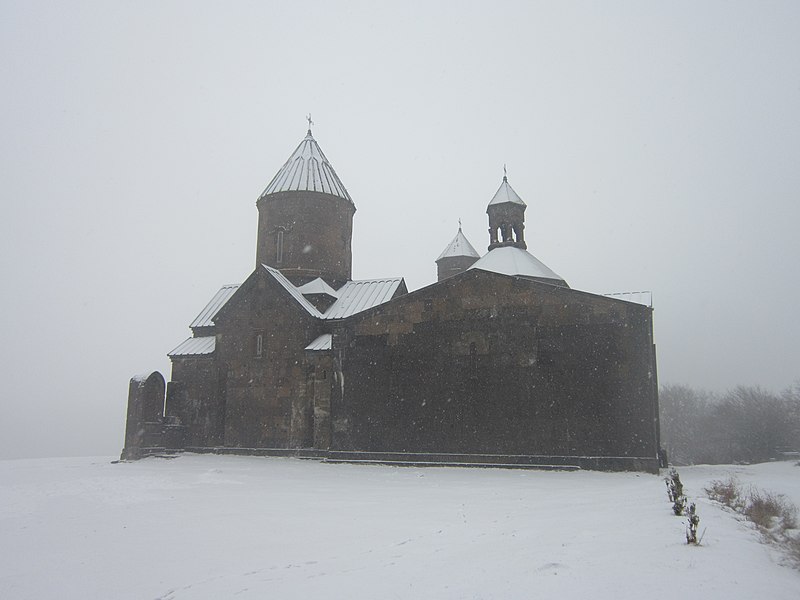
pixel 309 170
pixel 460 246
pixel 505 193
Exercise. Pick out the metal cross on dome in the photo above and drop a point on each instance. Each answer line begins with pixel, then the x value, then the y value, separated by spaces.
pixel 310 122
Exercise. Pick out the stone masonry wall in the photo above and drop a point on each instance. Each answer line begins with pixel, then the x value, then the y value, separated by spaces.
pixel 317 230
pixel 485 363
pixel 194 396
pixel 266 400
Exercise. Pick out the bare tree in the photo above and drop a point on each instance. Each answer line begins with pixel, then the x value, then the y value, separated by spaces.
pixel 745 424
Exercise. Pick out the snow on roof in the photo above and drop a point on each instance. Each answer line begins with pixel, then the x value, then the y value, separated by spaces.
pixel 505 193
pixel 141 378
pixel 645 298
pixel 460 246
pixel 307 170
pixel 509 260
pixel 323 342
pixel 195 346
pixel 357 296
pixel 206 316
pixel 352 298
pixel 317 286
pixel 280 278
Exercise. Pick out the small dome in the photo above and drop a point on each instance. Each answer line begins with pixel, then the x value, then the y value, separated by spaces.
pixel 509 260
pixel 460 246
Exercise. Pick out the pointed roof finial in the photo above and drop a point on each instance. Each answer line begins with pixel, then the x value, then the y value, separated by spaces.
pixel 460 246
pixel 505 173
pixel 310 123
pixel 307 169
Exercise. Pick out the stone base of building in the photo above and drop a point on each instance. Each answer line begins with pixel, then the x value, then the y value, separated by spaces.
pixel 407 459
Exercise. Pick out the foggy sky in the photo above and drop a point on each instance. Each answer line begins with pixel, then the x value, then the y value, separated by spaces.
pixel 655 144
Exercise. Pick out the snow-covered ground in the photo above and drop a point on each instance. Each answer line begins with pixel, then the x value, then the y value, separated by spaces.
pixel 245 527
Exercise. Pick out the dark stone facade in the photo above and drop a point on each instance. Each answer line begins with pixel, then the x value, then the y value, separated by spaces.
pixel 144 426
pixel 450 266
pixel 194 398
pixel 478 368
pixel 313 231
pixel 452 369
pixel 265 393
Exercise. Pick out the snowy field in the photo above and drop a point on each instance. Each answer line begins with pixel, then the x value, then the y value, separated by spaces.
pixel 218 527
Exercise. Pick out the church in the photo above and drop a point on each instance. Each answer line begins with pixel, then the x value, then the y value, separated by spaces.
pixel 498 363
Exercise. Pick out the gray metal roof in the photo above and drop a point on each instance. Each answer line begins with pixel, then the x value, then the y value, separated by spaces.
pixel 509 260
pixel 307 170
pixel 505 193
pixel 460 246
pixel 195 346
pixel 206 316
pixel 323 342
pixel 352 298
pixel 356 296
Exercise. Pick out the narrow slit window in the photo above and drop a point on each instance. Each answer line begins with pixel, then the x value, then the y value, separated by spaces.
pixel 473 361
pixel 259 345
pixel 279 249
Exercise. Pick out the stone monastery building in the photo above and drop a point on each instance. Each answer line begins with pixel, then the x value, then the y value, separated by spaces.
pixel 498 362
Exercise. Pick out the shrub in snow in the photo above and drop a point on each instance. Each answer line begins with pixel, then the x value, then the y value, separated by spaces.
pixel 674 485
pixel 770 511
pixel 773 514
pixel 691 525
pixel 679 505
pixel 776 517
pixel 675 492
pixel 727 492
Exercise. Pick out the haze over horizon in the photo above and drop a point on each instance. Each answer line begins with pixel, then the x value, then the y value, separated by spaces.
pixel 656 146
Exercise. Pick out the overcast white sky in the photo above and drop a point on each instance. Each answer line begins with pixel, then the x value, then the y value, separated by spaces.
pixel 656 144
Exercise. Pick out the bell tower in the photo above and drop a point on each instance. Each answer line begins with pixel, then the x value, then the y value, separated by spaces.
pixel 305 219
pixel 506 218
